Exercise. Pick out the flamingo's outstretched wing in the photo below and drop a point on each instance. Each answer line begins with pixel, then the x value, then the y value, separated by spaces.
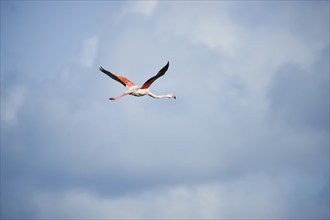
pixel 161 72
pixel 126 82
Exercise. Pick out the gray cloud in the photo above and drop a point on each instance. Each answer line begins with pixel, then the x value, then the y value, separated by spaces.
pixel 299 95
pixel 246 138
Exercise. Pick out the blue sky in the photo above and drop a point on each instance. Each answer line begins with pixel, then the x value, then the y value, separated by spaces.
pixel 247 136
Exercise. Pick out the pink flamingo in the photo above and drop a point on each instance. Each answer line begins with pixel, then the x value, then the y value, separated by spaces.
pixel 135 90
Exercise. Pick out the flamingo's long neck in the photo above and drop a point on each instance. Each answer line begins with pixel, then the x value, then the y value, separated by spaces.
pixel 159 96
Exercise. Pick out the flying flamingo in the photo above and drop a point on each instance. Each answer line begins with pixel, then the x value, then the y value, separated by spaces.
pixel 135 90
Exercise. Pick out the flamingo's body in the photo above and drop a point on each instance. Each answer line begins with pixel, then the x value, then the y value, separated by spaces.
pixel 135 90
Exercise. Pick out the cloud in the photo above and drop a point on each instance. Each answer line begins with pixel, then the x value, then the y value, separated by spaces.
pixel 144 8
pixel 267 196
pixel 248 131
pixel 202 201
pixel 215 31
pixel 297 93
pixel 12 102
pixel 89 51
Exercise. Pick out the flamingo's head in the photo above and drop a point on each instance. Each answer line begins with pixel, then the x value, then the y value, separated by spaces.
pixel 172 96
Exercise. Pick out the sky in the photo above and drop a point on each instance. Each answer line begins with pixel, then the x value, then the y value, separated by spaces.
pixel 247 136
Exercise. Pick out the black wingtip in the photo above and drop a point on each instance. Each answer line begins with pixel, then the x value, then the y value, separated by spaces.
pixel 165 68
pixel 103 70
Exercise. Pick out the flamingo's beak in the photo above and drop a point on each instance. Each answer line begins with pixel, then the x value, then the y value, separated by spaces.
pixel 174 97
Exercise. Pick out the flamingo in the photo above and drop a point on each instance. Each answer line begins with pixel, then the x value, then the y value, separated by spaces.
pixel 135 90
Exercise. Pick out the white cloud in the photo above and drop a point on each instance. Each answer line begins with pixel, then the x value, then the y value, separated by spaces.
pixel 89 51
pixel 11 103
pixel 200 156
pixel 250 197
pixel 221 36
pixel 144 8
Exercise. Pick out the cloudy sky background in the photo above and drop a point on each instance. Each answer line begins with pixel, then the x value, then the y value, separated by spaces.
pixel 247 136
